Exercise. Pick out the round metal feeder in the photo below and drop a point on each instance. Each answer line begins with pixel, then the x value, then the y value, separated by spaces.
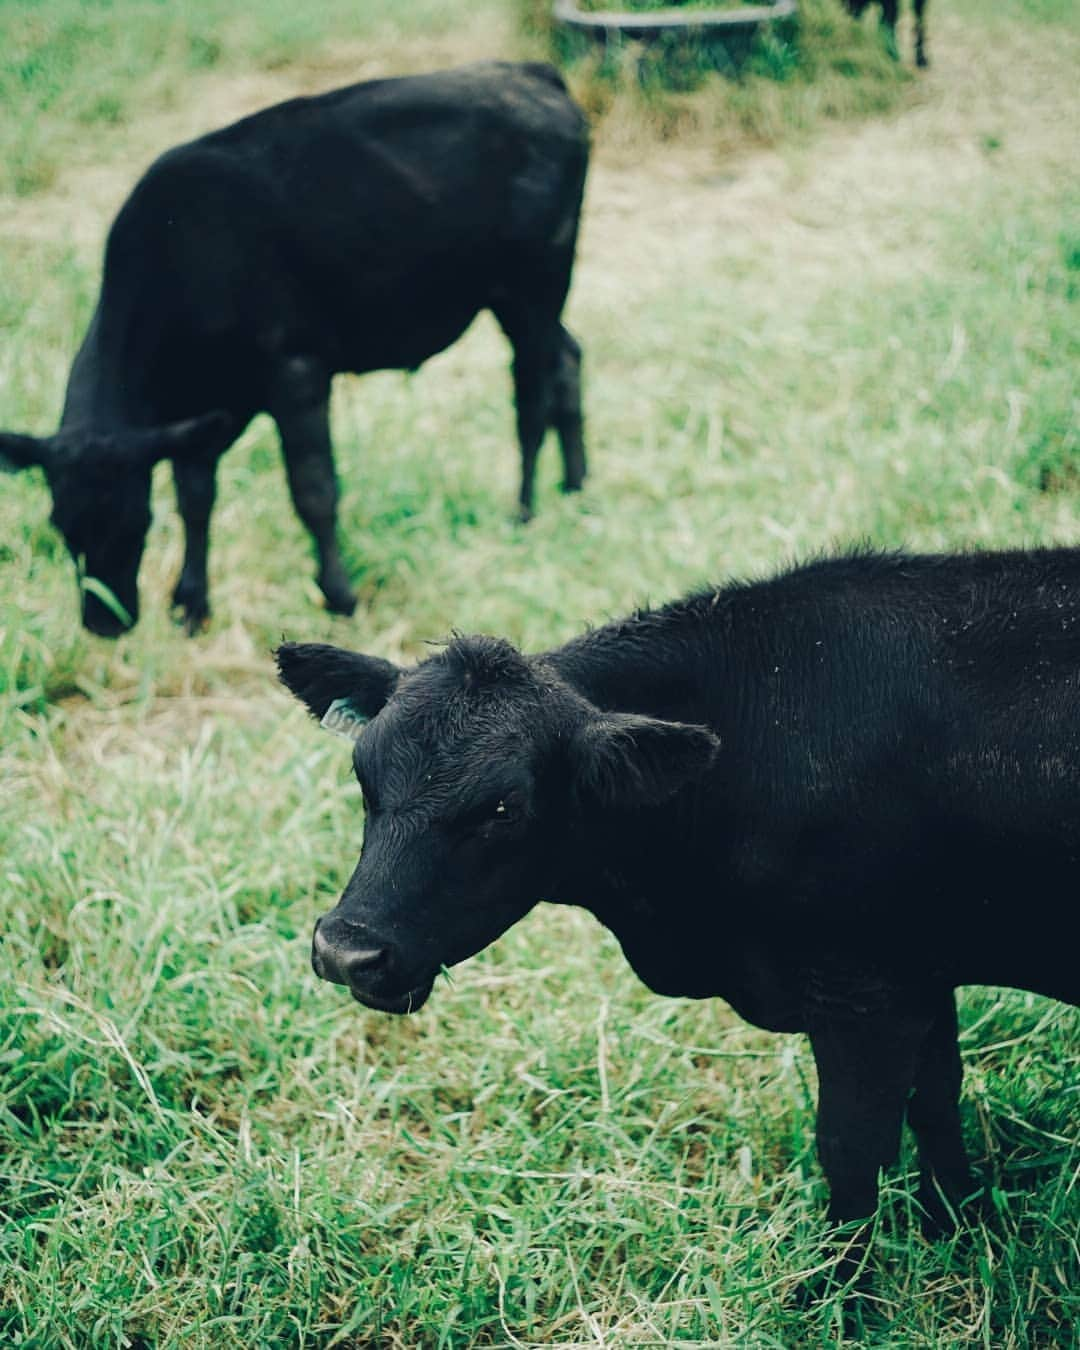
pixel 738 22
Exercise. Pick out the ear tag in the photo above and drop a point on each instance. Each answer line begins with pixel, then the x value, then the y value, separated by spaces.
pixel 343 719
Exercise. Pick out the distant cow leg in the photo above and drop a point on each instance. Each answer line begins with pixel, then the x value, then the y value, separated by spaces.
pixel 195 492
pixel 933 1114
pixel 921 58
pixel 890 12
pixel 566 415
pixel 302 413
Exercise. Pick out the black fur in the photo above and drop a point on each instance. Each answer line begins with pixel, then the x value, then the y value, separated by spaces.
pixel 359 230
pixel 828 798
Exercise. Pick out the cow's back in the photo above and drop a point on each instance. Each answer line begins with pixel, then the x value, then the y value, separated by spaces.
pixel 367 225
pixel 456 161
pixel 899 763
pixel 921 717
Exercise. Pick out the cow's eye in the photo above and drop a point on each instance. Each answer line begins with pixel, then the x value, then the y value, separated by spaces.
pixel 504 811
pixel 490 819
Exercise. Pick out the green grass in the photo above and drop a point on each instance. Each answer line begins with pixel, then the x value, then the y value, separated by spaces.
pixel 868 331
pixel 71 70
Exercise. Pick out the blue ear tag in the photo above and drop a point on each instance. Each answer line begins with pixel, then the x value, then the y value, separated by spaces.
pixel 343 719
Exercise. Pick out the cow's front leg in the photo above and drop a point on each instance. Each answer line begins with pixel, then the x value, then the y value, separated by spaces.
pixel 866 1041
pixel 945 1179
pixel 195 492
pixel 301 409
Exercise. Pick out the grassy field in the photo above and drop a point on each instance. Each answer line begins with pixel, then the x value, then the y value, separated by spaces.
pixel 803 326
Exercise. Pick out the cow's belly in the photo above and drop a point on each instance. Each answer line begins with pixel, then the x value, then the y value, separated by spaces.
pixel 399 317
pixel 406 338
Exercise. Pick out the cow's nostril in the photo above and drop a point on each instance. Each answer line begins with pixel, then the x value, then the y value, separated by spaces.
pixel 341 962
pixel 362 960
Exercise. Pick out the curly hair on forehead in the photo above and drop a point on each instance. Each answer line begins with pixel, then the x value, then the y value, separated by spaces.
pixel 481 662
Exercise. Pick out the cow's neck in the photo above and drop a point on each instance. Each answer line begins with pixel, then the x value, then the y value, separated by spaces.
pixel 669 896
pixel 639 874
pixel 659 663
pixel 101 393
pixel 628 865
pixel 693 916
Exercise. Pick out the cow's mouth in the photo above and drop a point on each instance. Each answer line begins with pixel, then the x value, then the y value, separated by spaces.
pixel 409 1002
pixel 102 622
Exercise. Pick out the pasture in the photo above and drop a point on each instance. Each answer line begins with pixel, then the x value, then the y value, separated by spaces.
pixel 813 312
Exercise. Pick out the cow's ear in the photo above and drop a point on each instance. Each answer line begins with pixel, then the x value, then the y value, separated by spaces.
pixel 22 452
pixel 320 675
pixel 627 761
pixel 194 438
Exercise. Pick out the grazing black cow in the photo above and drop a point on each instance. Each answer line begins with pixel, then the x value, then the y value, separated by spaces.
pixel 828 798
pixel 363 229
pixel 890 10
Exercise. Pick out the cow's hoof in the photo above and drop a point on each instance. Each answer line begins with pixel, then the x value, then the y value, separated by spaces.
pixel 193 619
pixel 340 602
pixel 826 1293
pixel 945 1219
pixel 190 610
pixel 524 515
pixel 573 486
pixel 845 1271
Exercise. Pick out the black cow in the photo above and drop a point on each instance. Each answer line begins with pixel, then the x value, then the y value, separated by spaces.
pixel 828 798
pixel 890 10
pixel 359 230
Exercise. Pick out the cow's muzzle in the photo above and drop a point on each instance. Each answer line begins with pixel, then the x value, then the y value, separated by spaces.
pixel 347 955
pixel 104 622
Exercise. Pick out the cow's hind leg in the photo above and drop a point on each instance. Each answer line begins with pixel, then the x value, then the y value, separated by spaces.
pixel 537 345
pixel 933 1113
pixel 566 415
pixel 301 409
pixel 195 492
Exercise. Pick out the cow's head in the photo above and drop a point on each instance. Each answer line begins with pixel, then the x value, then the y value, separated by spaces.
pixel 475 767
pixel 100 486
